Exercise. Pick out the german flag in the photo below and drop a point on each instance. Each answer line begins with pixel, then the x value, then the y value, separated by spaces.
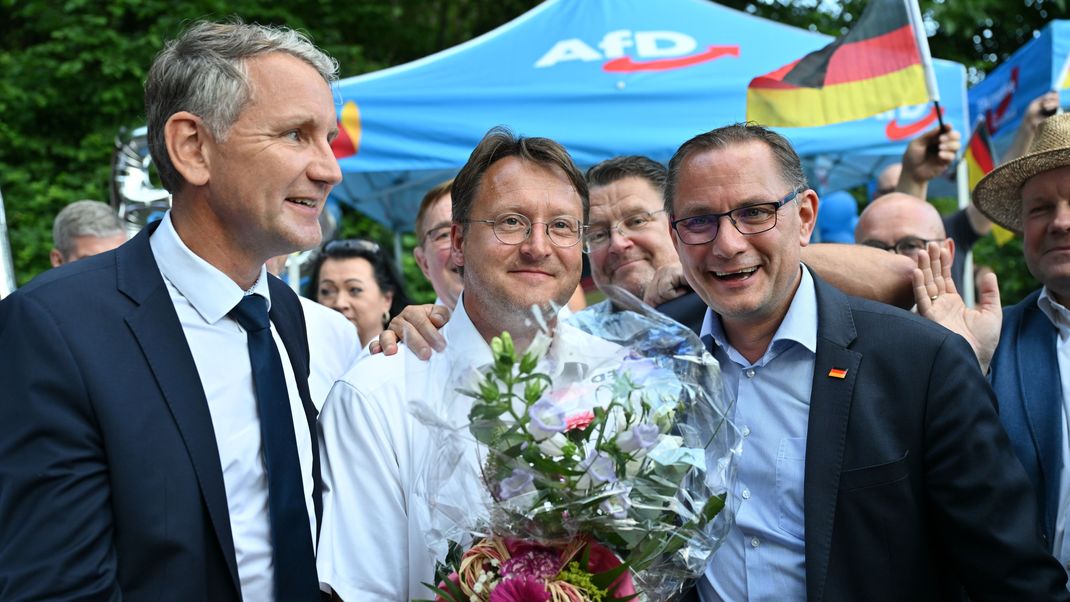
pixel 875 67
pixel 980 159
pixel 979 156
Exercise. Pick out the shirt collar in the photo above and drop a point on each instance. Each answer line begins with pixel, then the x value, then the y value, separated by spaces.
pixel 1055 311
pixel 799 324
pixel 211 292
pixel 468 346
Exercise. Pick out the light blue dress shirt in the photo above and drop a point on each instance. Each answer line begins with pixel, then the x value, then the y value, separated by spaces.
pixel 763 556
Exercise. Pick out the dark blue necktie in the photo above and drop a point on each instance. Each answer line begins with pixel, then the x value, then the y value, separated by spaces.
pixel 294 556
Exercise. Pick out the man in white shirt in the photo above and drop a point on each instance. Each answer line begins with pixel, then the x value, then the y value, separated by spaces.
pixel 518 209
pixel 153 447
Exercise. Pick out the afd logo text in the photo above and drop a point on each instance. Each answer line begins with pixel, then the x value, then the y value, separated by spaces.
pixel 652 50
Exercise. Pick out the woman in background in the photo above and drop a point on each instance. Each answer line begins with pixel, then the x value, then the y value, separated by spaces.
pixel 355 277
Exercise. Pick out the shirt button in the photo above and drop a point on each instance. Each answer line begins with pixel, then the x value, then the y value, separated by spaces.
pixel 746 431
pixel 754 542
pixel 746 493
pixel 750 372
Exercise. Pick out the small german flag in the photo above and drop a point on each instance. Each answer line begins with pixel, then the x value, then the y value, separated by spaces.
pixel 874 67
pixel 838 373
pixel 981 159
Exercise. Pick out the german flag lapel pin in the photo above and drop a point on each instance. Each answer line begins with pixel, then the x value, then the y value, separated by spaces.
pixel 838 373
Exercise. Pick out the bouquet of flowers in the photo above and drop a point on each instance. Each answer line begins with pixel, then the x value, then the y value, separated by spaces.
pixel 602 479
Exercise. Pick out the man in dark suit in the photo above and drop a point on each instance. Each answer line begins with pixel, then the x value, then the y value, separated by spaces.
pixel 138 460
pixel 874 466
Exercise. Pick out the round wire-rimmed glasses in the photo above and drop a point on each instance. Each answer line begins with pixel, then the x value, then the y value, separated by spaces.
pixel 513 228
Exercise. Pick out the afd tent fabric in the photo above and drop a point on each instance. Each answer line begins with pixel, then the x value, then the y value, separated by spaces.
pixel 1003 96
pixel 604 78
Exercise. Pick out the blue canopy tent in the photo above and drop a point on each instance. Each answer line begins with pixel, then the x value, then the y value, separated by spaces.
pixel 604 78
pixel 1002 97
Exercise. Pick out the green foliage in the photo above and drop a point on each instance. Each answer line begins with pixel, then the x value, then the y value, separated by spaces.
pixel 1015 281
pixel 71 74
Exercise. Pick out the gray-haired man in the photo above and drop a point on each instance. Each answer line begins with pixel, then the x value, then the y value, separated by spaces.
pixel 84 228
pixel 158 440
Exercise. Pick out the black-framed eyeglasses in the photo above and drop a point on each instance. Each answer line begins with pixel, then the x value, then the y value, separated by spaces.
pixel 351 244
pixel 439 236
pixel 514 228
pixel 748 220
pixel 597 238
pixel 908 245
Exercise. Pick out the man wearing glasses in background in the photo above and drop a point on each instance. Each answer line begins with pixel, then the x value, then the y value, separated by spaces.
pixel 432 252
pixel 874 466
pixel 901 224
pixel 518 210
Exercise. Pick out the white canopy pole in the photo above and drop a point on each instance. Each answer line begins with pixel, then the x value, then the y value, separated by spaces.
pixel 7 265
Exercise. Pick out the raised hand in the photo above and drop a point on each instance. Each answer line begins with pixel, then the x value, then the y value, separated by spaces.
pixel 938 300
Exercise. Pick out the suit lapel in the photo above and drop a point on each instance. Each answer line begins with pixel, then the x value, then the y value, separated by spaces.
pixel 830 405
pixel 158 331
pixel 1041 392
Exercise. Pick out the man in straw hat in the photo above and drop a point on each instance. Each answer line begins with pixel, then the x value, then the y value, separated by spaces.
pixel 1030 354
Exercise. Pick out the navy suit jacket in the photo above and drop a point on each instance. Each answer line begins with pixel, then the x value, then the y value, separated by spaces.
pixel 1025 376
pixel 911 490
pixel 110 480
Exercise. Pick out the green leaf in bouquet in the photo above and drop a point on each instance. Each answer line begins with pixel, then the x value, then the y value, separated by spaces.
pixel 533 389
pixel 605 579
pixel 488 391
pixel 451 593
pixel 528 362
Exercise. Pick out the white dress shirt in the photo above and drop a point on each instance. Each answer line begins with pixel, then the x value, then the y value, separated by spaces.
pixel 763 556
pixel 1060 317
pixel 377 524
pixel 333 347
pixel 203 296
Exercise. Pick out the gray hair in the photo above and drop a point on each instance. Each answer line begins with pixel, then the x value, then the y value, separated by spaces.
pixel 203 71
pixel 785 158
pixel 84 218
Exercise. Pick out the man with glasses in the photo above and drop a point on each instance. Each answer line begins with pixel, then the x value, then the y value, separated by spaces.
pixel 629 246
pixel 432 250
pixel 518 210
pixel 874 466
pixel 901 224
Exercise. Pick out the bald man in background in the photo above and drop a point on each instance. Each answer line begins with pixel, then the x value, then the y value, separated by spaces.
pixel 902 224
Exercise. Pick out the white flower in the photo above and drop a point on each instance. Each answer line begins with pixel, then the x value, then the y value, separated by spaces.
pixel 638 439
pixel 518 483
pixel 598 468
pixel 618 504
pixel 554 446
pixel 547 418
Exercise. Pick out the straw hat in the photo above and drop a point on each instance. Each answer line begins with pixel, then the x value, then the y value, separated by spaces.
pixel 999 196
